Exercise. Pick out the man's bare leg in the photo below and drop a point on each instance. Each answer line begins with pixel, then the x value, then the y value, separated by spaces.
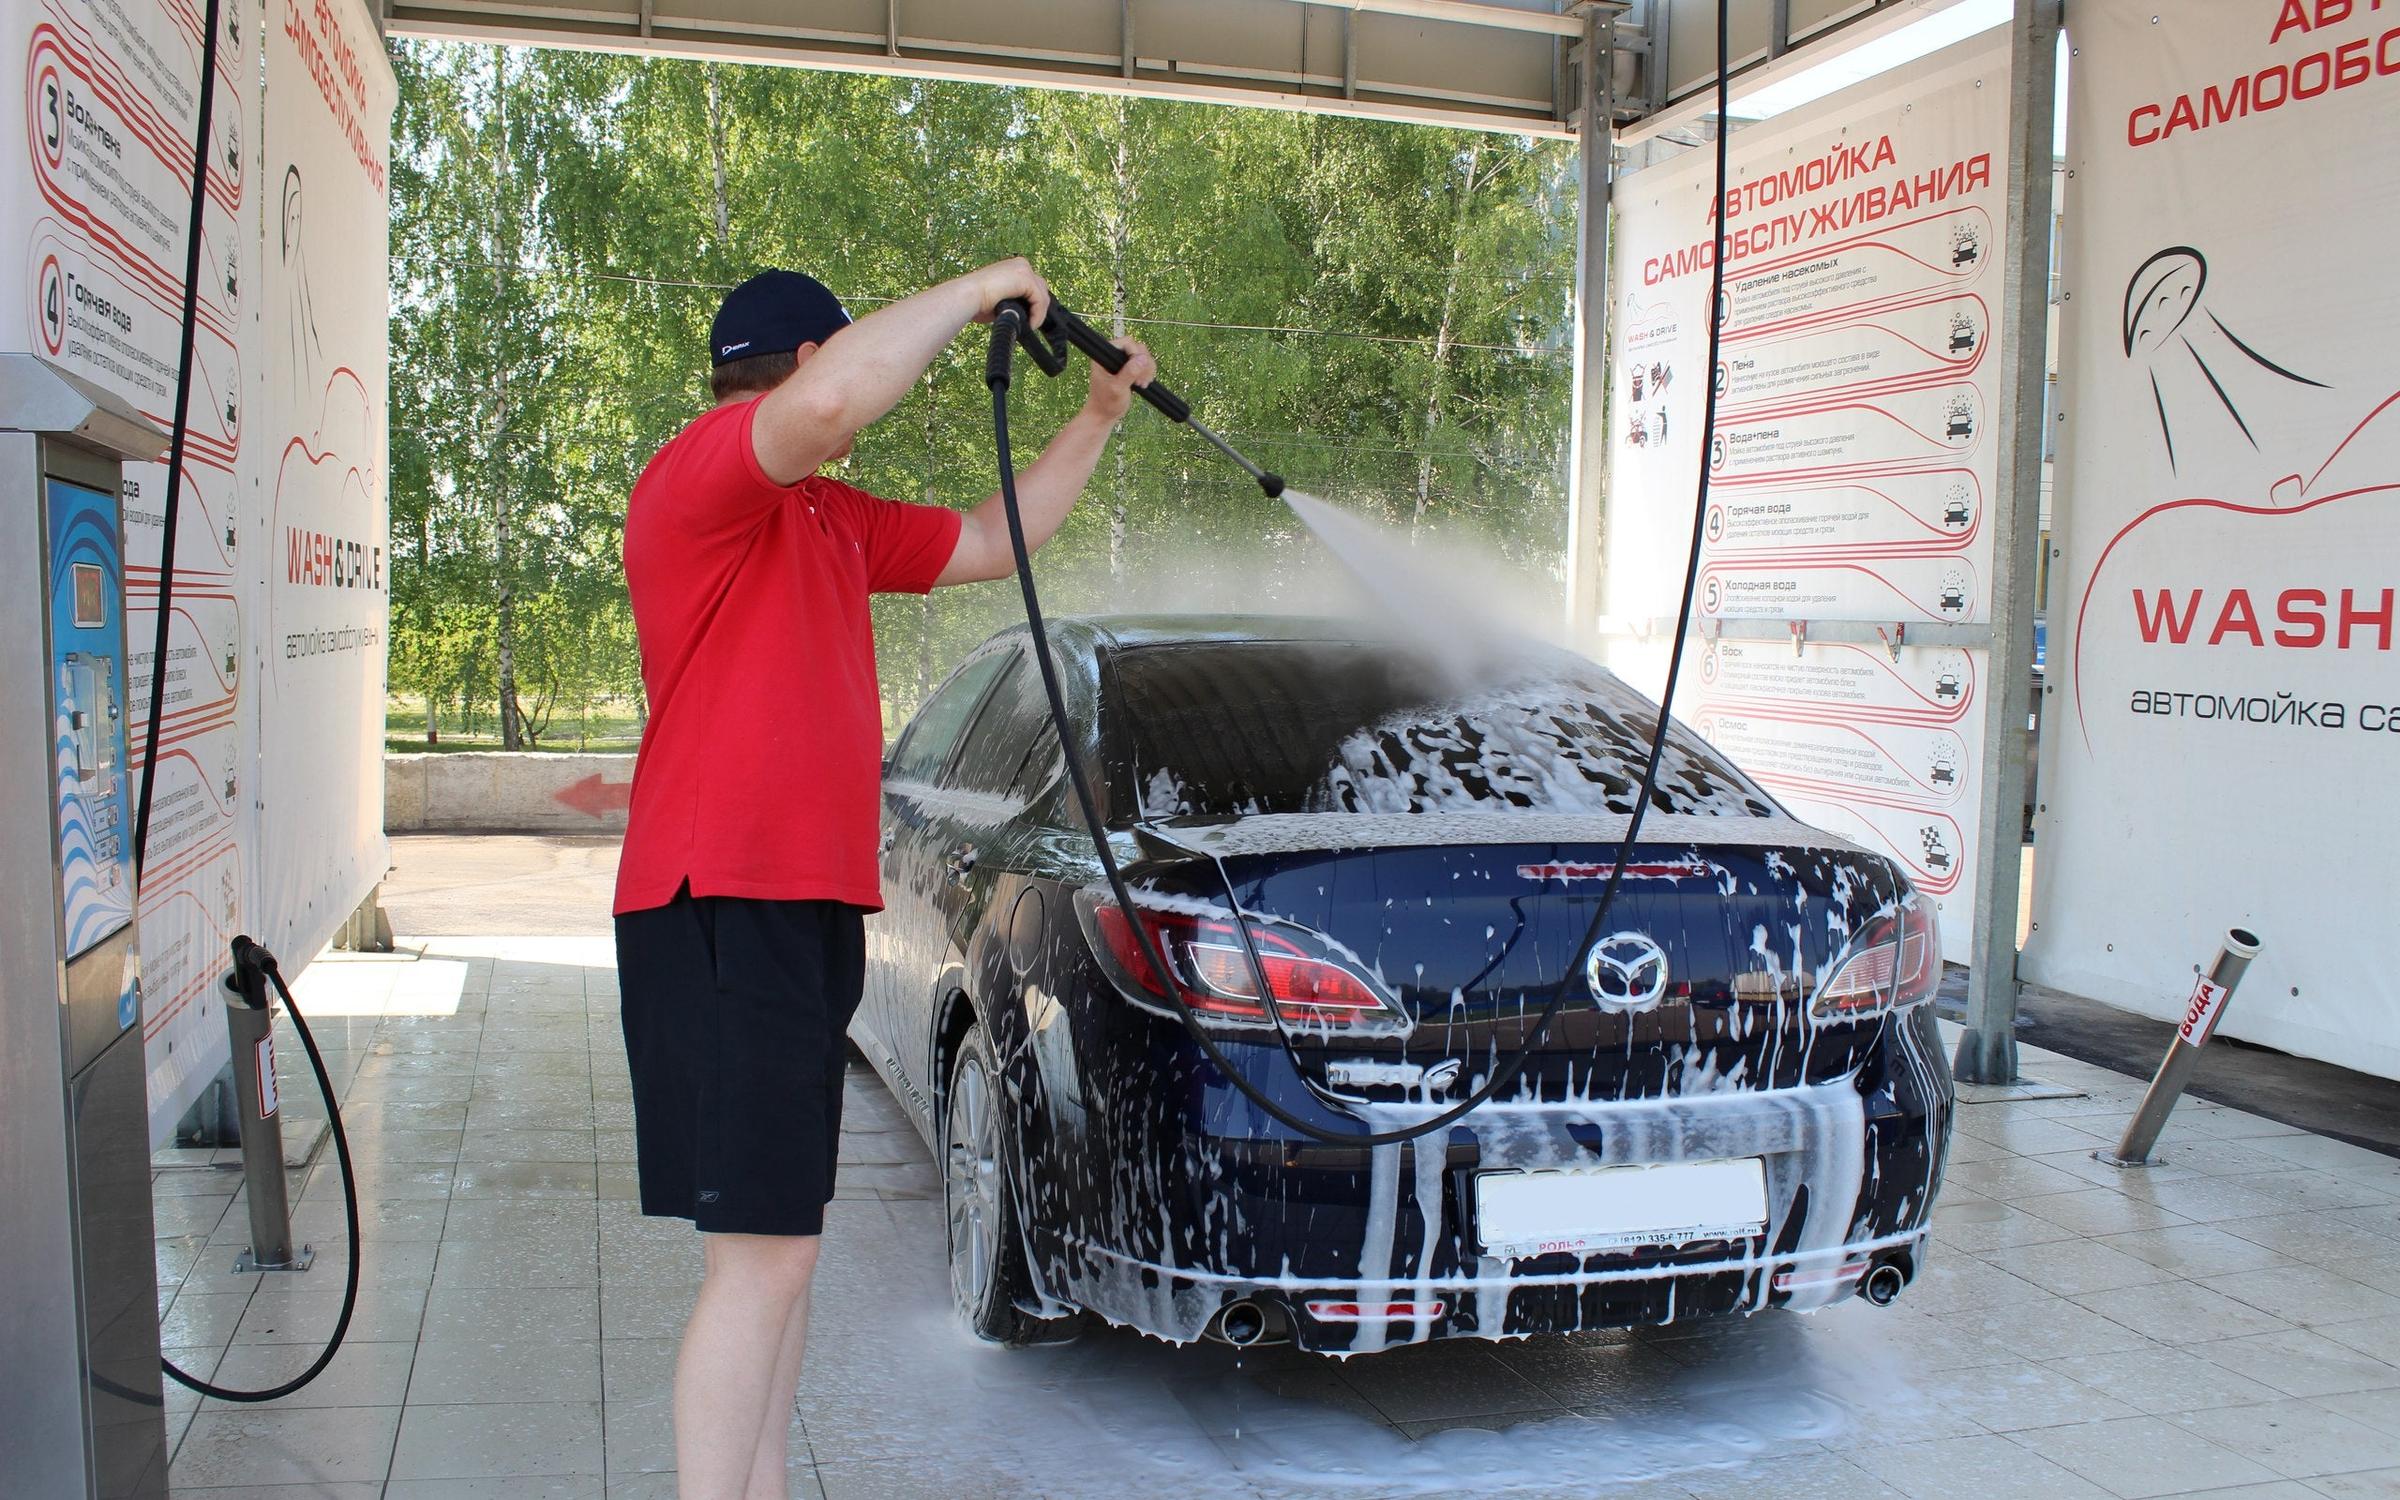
pixel 729 1369
pixel 770 1471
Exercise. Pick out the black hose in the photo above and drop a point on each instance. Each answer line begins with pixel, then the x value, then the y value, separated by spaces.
pixel 1005 332
pixel 245 951
pixel 175 441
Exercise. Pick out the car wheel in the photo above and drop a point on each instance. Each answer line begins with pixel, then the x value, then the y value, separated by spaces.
pixel 987 1253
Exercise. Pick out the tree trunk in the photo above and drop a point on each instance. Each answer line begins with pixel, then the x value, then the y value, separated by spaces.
pixel 512 720
pixel 716 152
pixel 924 647
pixel 433 731
pixel 1437 390
pixel 1118 221
pixel 932 243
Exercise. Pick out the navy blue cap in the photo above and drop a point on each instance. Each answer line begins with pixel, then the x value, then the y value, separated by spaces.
pixel 774 312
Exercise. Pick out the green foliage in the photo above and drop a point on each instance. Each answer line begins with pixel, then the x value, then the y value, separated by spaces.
pixel 1379 311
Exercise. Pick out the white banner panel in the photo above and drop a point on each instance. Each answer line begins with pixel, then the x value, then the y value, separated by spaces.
pixel 1852 473
pixel 2224 728
pixel 320 478
pixel 101 101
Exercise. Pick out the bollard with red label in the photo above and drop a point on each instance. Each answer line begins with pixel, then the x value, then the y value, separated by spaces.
pixel 250 1018
pixel 2211 992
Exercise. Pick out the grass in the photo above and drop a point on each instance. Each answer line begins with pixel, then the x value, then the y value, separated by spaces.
pixel 611 729
pixel 395 744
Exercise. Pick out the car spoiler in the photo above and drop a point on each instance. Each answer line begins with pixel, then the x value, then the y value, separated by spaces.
pixel 1293 833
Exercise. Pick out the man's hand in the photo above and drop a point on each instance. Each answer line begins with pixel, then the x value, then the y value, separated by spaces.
pixel 1003 279
pixel 1112 395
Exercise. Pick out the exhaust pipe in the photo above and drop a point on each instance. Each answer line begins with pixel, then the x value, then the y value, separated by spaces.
pixel 1882 1283
pixel 1242 1323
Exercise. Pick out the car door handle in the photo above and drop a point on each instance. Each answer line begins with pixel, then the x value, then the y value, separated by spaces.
pixel 961 864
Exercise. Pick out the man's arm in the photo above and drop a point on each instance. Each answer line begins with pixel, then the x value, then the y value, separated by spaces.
pixel 863 371
pixel 1048 487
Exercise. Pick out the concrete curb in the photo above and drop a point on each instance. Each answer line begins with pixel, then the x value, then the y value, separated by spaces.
pixel 506 792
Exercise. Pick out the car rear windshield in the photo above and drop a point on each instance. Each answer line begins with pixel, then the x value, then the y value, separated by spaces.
pixel 1227 728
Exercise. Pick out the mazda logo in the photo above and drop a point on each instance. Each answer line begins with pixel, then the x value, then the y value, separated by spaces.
pixel 1627 971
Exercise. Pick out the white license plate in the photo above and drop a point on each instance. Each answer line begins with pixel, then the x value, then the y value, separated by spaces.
pixel 1578 1210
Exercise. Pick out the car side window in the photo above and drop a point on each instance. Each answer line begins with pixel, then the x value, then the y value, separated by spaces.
pixel 1011 742
pixel 935 731
pixel 1042 762
pixel 992 746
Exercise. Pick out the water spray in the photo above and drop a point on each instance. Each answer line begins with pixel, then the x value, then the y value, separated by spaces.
pixel 1047 343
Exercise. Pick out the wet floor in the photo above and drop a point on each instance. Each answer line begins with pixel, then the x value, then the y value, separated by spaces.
pixel 2224 1323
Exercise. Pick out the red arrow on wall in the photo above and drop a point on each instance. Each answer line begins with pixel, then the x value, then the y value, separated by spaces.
pixel 596 798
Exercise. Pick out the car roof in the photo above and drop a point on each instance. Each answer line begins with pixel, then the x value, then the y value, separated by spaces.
pixel 1095 636
pixel 1127 631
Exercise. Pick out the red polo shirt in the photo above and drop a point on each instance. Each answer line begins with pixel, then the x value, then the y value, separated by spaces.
pixel 761 768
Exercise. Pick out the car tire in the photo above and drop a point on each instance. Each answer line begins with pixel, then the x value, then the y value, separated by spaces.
pixel 986 1247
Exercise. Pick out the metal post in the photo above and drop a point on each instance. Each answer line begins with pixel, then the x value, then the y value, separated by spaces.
pixel 1987 1053
pixel 1658 21
pixel 250 1018
pixel 1587 503
pixel 2210 995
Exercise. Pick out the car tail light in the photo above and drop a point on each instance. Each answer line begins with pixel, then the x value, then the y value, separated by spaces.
pixel 1893 962
pixel 1362 1312
pixel 1212 973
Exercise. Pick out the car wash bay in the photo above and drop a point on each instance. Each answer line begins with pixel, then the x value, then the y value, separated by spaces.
pixel 2221 1323
pixel 2218 1323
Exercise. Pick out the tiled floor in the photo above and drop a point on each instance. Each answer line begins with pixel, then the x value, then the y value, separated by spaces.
pixel 2227 1323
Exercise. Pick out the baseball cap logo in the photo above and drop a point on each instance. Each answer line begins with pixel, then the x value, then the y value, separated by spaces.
pixel 723 350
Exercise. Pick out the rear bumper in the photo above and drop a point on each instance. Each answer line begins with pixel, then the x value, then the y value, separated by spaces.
pixel 1852 1167
pixel 1180 1304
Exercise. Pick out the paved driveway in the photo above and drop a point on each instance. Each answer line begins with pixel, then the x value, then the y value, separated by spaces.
pixel 2225 1323
pixel 2221 1322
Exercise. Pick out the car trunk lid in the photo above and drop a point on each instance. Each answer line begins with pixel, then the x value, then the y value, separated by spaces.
pixel 1466 925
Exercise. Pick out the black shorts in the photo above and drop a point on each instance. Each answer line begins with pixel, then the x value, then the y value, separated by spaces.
pixel 734 1014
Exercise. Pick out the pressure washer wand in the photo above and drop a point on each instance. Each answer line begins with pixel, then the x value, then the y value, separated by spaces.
pixel 1061 330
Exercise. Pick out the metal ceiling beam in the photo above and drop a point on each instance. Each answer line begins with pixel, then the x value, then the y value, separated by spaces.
pixel 1479 64
pixel 1465 12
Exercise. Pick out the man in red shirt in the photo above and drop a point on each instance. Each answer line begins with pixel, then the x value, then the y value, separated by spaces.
pixel 750 853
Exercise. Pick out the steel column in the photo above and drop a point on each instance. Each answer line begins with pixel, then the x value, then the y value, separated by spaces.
pixel 1587 504
pixel 1987 1053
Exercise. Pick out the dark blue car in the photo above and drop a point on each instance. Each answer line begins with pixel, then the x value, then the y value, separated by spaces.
pixel 1742 1106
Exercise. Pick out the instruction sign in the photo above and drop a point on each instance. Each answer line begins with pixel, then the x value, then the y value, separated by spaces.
pixel 1852 471
pixel 2225 718
pixel 102 103
pixel 98 190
